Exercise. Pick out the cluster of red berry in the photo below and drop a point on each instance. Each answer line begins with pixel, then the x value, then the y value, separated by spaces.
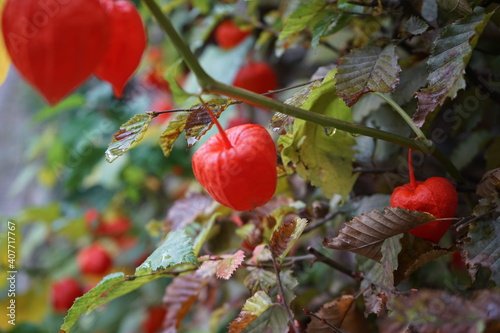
pixel 57 45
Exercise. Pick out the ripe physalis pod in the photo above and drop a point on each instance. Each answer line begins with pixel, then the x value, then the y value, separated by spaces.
pixel 126 46
pixel 436 196
pixel 55 45
pixel 237 167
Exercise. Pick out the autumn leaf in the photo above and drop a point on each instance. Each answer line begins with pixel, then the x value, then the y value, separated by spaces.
pixel 128 136
pixel 285 237
pixel 229 263
pixel 451 54
pixel 489 184
pixel 186 210
pixel 341 313
pixel 365 234
pixel 372 69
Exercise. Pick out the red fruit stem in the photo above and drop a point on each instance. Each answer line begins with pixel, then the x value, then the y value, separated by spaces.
pixel 413 182
pixel 225 139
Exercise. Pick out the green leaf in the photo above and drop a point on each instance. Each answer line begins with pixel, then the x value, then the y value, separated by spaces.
pixel 322 157
pixel 451 54
pixel 258 315
pixel 466 151
pixel 176 249
pixel 128 136
pixel 260 279
pixel 289 282
pixel 371 69
pixel 300 19
pixel 285 237
pixel 483 248
pixel 73 101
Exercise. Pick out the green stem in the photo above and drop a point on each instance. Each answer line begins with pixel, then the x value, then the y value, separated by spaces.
pixel 208 84
pixel 403 114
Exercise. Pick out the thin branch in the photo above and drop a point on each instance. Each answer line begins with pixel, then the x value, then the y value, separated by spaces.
pixel 319 223
pixel 312 314
pixel 465 222
pixel 282 295
pixel 332 263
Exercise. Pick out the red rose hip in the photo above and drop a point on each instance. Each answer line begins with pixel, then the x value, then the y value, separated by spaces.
pixel 258 77
pixel 436 196
pixel 94 260
pixel 237 167
pixel 228 34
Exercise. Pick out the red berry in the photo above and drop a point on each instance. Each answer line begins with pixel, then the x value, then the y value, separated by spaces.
pixel 155 317
pixel 239 173
pixel 436 196
pixel 116 227
pixel 126 46
pixel 55 45
pixel 258 77
pixel 94 260
pixel 64 292
pixel 229 35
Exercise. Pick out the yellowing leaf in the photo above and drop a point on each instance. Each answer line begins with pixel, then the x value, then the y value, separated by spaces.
pixel 128 136
pixel 324 157
pixel 285 237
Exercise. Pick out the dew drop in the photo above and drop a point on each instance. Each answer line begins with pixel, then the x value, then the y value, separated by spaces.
pixel 330 131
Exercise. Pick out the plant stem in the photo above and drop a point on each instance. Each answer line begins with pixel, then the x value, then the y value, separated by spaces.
pixel 208 84
pixel 403 114
pixel 413 182
pixel 223 135
pixel 281 292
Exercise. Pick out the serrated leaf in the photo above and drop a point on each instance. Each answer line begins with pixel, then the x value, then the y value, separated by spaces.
pixel 483 248
pixel 285 237
pixel 282 123
pixel 128 136
pixel 441 311
pixel 415 25
pixel 371 69
pixel 489 184
pixel 341 313
pixel 172 132
pixel 365 234
pixel 461 7
pixel 258 315
pixel 229 263
pixel 176 249
pixel 180 296
pixel 446 65
pixel 302 17
pixel 324 159
pixel 415 253
pixel 199 121
pixel 260 279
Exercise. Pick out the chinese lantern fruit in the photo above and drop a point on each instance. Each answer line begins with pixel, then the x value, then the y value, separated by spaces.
pixel 126 45
pixel 55 45
pixel 64 292
pixel 436 196
pixel 94 260
pixel 229 35
pixel 237 167
pixel 258 77
pixel 154 320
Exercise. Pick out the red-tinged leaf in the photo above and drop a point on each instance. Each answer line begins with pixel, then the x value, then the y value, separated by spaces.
pixel 365 234
pixel 451 54
pixel 229 264
pixel 181 294
pixel 371 69
pixel 185 211
pixel 172 132
pixel 285 237
pixel 483 249
pixel 440 311
pixel 259 314
pixel 341 313
pixel 128 136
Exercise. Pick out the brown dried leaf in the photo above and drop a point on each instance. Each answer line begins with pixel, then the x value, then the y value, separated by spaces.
pixel 185 211
pixel 341 313
pixel 365 234
pixel 285 237
pixel 180 297
pixel 366 70
pixel 229 264
pixel 489 184
pixel 440 311
pixel 415 253
pixel 199 121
